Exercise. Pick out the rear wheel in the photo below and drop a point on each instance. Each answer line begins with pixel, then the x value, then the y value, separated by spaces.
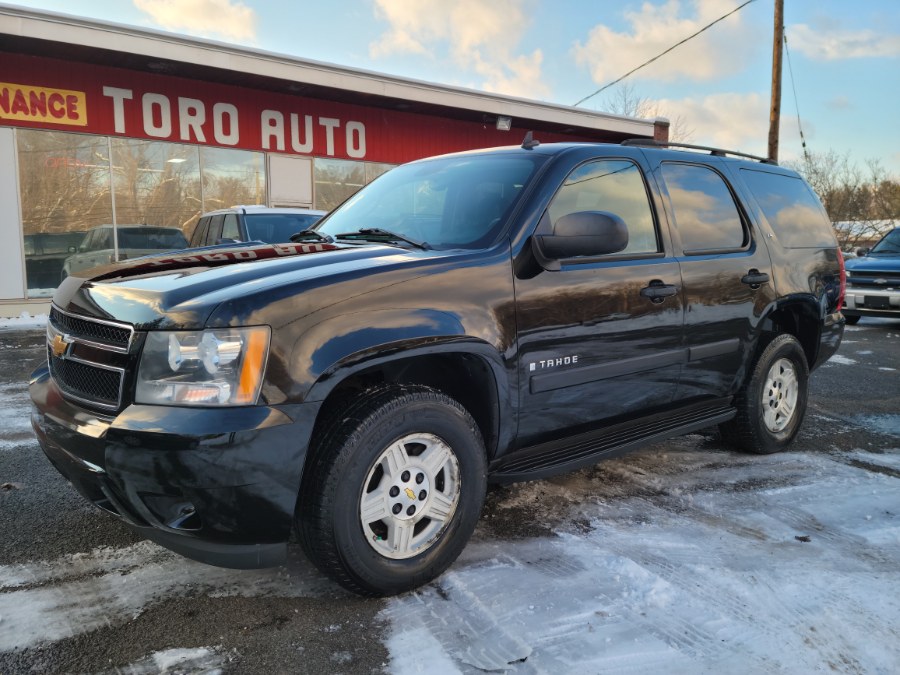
pixel 772 403
pixel 394 490
pixel 852 320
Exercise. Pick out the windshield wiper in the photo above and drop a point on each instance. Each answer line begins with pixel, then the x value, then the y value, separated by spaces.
pixel 311 234
pixel 385 234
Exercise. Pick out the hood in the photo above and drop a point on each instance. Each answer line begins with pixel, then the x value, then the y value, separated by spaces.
pixel 887 262
pixel 181 289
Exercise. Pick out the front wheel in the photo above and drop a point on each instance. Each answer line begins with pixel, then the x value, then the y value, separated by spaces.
pixel 772 402
pixel 394 490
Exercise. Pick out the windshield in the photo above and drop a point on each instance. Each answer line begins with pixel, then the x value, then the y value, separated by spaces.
pixel 890 243
pixel 276 228
pixel 451 202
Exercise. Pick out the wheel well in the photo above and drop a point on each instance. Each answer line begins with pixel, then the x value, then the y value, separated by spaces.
pixel 801 321
pixel 464 377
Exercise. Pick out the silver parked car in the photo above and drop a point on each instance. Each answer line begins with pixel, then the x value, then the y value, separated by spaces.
pixel 99 245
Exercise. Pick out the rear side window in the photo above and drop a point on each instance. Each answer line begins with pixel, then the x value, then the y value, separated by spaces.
pixel 615 186
pixel 230 227
pixel 792 209
pixel 199 236
pixel 705 213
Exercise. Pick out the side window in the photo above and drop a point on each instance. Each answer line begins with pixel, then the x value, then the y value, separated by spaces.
pixel 792 209
pixel 705 213
pixel 230 227
pixel 199 236
pixel 215 229
pixel 104 239
pixel 615 186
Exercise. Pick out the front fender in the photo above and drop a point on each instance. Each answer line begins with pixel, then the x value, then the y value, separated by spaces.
pixel 348 343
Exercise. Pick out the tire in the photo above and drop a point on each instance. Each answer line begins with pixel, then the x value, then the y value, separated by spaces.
pixel 394 490
pixel 772 402
pixel 852 320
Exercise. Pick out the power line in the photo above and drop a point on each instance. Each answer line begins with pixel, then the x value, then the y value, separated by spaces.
pixel 647 63
pixel 796 100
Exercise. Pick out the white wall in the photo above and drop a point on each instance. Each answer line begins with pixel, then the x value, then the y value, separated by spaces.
pixel 12 272
pixel 290 181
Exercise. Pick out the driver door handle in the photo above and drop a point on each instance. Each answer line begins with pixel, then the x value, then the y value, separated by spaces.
pixel 657 291
pixel 754 279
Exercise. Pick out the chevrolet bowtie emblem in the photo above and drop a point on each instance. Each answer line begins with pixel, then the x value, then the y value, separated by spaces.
pixel 410 493
pixel 59 345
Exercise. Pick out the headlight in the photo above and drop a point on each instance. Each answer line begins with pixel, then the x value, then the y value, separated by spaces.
pixel 220 367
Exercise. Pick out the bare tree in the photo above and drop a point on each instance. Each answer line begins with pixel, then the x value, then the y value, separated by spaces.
pixel 862 201
pixel 625 100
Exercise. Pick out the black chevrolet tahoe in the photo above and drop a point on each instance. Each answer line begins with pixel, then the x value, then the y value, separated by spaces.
pixel 498 315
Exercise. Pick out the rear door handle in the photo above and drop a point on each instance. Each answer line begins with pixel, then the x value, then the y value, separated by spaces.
pixel 657 291
pixel 754 279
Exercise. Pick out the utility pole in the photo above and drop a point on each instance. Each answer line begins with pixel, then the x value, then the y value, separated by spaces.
pixel 775 110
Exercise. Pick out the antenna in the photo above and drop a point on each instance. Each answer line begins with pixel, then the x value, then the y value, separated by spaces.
pixel 529 142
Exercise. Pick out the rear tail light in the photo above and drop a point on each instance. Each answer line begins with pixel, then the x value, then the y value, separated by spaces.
pixel 843 290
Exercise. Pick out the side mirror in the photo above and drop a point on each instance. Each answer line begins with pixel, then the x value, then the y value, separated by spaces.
pixel 862 252
pixel 73 249
pixel 585 233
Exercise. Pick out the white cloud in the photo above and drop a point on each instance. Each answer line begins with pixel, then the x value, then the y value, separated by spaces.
pixel 217 18
pixel 833 44
pixel 731 121
pixel 721 50
pixel 477 36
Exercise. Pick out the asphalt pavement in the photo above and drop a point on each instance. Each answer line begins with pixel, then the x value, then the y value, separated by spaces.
pixel 79 592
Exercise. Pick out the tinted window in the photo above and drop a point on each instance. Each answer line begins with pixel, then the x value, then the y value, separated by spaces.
pixel 705 213
pixel 792 209
pixel 452 202
pixel 215 229
pixel 274 228
pixel 151 238
pixel 615 186
pixel 199 236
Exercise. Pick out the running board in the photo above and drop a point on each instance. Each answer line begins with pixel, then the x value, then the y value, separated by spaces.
pixel 585 449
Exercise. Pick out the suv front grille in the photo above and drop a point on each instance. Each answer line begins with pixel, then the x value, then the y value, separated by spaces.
pixel 87 358
pixel 114 335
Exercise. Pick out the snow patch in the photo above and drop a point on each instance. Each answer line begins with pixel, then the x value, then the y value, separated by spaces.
pixel 841 360
pixel 23 321
pixel 206 660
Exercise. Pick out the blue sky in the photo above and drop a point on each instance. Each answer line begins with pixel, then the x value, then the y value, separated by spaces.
pixel 845 55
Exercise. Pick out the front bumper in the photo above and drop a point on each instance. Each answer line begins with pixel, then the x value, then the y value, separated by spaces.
pixel 872 302
pixel 218 485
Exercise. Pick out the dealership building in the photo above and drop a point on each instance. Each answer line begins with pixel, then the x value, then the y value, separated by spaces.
pixel 104 124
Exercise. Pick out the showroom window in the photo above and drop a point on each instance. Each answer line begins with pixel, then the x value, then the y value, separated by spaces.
pixel 337 179
pixel 75 184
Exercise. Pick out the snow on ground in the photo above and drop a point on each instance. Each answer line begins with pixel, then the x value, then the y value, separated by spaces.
pixel 840 360
pixel 15 416
pixel 684 561
pixel 24 320
pixel 714 576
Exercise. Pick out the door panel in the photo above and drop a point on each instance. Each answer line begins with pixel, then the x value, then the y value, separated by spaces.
pixel 726 273
pixel 600 339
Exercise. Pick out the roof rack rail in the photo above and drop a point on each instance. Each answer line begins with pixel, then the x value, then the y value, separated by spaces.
pixel 718 152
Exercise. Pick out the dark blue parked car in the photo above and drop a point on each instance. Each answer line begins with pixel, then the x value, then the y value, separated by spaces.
pixel 873 281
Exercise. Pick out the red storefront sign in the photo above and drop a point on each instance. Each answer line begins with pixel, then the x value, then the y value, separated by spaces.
pixel 52 94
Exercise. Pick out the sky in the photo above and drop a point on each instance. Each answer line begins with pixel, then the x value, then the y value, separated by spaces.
pixel 844 55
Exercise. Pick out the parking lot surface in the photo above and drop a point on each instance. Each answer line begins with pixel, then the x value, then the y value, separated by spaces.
pixel 683 557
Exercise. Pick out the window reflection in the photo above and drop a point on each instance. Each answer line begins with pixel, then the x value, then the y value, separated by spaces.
pixel 705 213
pixel 64 190
pixel 232 177
pixel 79 199
pixel 615 186
pixel 335 180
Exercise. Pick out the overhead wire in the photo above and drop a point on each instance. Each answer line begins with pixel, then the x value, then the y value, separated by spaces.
pixel 796 100
pixel 661 54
